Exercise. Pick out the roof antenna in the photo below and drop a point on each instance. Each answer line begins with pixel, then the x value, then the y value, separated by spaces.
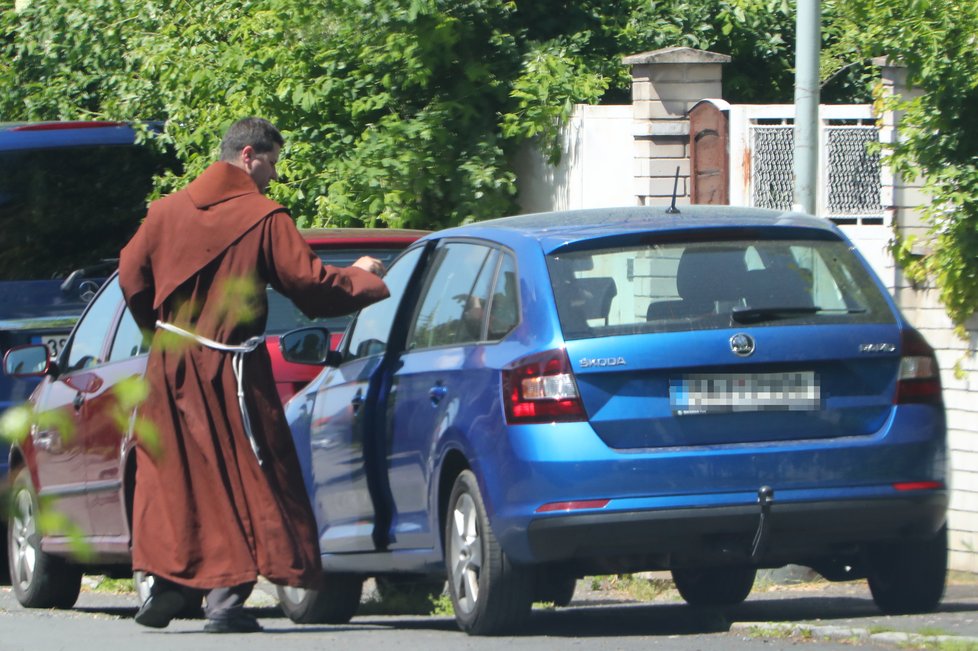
pixel 672 210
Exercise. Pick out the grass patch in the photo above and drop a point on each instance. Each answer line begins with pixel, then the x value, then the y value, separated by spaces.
pixel 401 604
pixel 442 606
pixel 108 585
pixel 638 587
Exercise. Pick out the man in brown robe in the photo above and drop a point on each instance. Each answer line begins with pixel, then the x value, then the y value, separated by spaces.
pixel 220 497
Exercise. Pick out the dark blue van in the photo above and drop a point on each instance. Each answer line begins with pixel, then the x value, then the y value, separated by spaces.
pixel 71 194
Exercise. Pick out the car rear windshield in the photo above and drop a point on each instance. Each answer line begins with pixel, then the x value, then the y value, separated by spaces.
pixel 685 286
pixel 69 207
pixel 283 315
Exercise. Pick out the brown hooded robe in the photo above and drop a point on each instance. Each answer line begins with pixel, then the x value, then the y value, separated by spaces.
pixel 206 514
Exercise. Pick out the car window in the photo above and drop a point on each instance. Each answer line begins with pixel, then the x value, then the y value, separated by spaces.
pixel 504 307
pixel 129 340
pixel 369 333
pixel 698 285
pixel 86 343
pixel 455 295
pixel 283 315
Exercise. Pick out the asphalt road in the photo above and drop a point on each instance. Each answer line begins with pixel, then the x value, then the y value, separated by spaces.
pixel 816 616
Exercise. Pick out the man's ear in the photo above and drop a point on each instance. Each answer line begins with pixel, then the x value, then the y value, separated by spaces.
pixel 247 154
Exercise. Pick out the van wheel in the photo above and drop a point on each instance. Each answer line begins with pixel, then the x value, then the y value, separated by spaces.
pixel 335 603
pixel 714 586
pixel 489 594
pixel 39 579
pixel 908 577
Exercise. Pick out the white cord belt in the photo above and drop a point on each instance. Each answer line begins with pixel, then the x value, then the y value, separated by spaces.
pixel 237 365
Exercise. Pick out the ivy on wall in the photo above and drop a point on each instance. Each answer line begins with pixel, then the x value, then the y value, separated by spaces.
pixel 937 40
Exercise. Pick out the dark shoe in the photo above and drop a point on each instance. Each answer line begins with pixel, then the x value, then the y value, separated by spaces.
pixel 160 608
pixel 237 623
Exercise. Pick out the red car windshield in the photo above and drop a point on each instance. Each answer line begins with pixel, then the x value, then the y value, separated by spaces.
pixel 283 315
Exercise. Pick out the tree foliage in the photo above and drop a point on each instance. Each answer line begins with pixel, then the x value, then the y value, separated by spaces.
pixel 396 112
pixel 937 41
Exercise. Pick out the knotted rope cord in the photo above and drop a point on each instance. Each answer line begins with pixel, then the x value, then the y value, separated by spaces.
pixel 237 365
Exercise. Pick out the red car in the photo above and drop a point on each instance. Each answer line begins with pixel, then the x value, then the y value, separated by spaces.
pixel 339 247
pixel 87 473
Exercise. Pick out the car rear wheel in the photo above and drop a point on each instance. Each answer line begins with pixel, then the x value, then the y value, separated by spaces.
pixel 39 580
pixel 908 577
pixel 714 586
pixel 335 603
pixel 489 594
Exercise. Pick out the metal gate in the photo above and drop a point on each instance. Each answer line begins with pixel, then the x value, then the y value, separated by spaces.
pixel 850 181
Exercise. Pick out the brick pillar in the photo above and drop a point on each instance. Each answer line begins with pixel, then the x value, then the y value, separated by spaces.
pixel 665 85
pixel 902 197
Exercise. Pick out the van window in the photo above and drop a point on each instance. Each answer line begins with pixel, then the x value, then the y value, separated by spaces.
pixel 69 207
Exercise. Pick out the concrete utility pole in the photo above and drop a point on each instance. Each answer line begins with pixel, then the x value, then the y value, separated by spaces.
pixel 808 37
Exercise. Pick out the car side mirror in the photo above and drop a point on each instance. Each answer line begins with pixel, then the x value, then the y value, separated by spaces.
pixel 27 361
pixel 308 346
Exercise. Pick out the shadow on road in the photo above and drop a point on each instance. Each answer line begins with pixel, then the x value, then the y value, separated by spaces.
pixel 601 618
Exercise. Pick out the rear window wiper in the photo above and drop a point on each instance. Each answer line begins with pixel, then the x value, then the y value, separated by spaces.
pixel 748 314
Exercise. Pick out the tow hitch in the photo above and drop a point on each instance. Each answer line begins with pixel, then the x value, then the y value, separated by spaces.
pixel 765 497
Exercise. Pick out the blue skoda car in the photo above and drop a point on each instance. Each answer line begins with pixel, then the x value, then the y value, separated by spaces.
pixel 551 396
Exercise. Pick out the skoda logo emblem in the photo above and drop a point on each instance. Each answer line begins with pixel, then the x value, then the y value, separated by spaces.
pixel 742 344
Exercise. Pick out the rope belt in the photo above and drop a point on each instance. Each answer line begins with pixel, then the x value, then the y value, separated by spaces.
pixel 237 365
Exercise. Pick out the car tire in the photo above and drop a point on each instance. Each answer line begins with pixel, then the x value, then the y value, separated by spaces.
pixel 409 587
pixel 39 580
pixel 555 589
pixel 4 563
pixel 714 586
pixel 908 577
pixel 193 609
pixel 335 603
pixel 490 595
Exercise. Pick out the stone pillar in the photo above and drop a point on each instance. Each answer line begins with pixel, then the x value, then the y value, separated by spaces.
pixel 902 198
pixel 665 85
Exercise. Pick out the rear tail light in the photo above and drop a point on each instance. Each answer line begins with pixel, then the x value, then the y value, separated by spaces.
pixel 920 376
pixel 541 389
pixel 919 486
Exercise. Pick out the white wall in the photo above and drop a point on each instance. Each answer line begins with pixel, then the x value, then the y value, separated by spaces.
pixel 595 171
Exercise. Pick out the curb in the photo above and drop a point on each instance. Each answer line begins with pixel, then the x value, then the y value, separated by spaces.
pixel 808 631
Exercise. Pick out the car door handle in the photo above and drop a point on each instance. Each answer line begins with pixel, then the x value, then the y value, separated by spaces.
pixel 78 401
pixel 357 401
pixel 436 393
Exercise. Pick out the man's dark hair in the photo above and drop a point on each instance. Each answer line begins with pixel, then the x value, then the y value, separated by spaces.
pixel 257 132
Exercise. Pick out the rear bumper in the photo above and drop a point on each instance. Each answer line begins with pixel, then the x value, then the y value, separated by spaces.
pixel 797 532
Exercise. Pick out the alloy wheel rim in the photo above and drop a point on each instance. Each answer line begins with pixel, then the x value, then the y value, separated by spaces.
pixel 293 595
pixel 466 553
pixel 144 585
pixel 24 532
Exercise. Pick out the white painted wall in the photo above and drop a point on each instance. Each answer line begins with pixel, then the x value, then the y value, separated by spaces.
pixel 595 171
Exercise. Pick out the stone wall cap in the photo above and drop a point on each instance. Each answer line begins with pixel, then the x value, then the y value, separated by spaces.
pixel 887 62
pixel 675 55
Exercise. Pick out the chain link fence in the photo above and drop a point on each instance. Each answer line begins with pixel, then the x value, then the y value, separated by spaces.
pixel 850 170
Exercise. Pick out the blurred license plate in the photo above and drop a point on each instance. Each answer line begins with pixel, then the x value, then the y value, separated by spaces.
pixel 54 342
pixel 720 393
